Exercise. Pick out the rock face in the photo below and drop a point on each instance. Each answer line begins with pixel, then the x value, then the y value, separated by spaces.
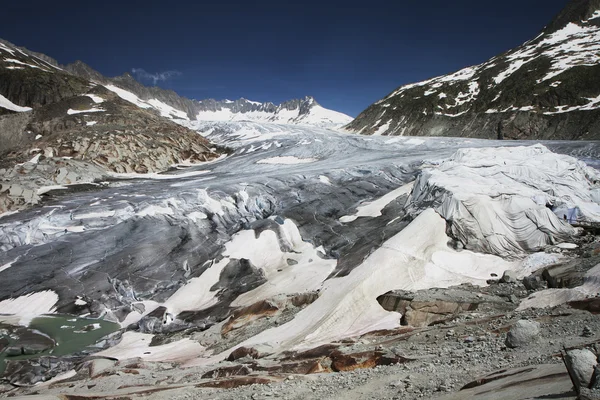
pixel 545 89
pixel 28 79
pixel 523 333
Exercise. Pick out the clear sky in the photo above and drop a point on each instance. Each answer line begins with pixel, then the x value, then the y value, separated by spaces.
pixel 347 54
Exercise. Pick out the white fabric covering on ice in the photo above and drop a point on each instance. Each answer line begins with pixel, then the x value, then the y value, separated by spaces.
pixel 416 258
pixel 21 310
pixel 501 200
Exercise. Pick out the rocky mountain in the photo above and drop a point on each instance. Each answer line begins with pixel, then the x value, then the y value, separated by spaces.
pixel 29 80
pixel 187 112
pixel 547 88
pixel 58 129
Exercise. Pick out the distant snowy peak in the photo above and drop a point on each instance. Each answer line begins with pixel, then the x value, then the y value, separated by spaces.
pixel 187 111
pixel 546 88
pixel 25 77
pixel 299 111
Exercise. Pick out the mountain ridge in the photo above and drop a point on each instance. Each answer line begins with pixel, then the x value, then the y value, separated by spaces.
pixel 198 110
pixel 546 88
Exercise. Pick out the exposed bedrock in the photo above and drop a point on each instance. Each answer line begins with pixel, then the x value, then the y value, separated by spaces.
pixel 428 307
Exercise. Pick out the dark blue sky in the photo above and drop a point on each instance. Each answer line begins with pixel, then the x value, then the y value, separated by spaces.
pixel 346 54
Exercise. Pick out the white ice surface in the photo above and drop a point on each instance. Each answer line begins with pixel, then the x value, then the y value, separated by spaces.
pixel 266 254
pixel 157 176
pixel 195 295
pixel 134 316
pixel 135 344
pixel 324 180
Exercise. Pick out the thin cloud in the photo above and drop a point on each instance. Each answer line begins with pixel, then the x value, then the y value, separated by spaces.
pixel 141 74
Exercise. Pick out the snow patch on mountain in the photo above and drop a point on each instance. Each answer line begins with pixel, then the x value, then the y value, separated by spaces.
pixel 70 111
pixel 9 105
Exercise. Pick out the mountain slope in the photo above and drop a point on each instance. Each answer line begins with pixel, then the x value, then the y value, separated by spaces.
pixel 57 128
pixel 548 88
pixel 186 111
pixel 30 80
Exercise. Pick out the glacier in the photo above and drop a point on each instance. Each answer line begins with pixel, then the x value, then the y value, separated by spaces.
pixel 367 215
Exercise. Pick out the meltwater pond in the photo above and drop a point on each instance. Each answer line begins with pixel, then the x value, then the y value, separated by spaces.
pixel 70 334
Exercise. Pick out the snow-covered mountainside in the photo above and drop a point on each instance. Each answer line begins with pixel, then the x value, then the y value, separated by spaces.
pixel 546 88
pixel 188 112
pixel 304 112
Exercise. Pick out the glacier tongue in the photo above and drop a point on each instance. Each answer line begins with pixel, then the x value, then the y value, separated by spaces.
pixel 509 201
pixel 346 228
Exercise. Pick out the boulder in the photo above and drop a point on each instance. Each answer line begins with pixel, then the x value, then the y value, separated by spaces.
pixel 523 333
pixel 564 276
pixel 226 372
pixel 427 307
pixel 97 367
pixel 582 363
pixel 592 305
pixel 509 277
pixel 425 313
pixel 242 352
pixel 341 361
